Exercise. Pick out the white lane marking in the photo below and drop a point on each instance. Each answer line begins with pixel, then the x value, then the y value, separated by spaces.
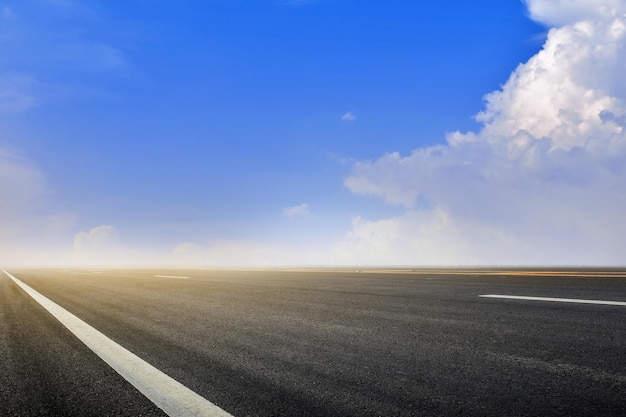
pixel 165 392
pixel 557 300
pixel 170 276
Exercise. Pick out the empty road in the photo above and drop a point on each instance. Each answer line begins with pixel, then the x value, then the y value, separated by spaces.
pixel 322 343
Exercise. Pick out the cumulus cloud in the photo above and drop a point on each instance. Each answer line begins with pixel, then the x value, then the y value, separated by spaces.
pixel 543 181
pixel 102 245
pixel 302 209
pixel 563 12
pixel 98 245
pixel 416 237
pixel 96 238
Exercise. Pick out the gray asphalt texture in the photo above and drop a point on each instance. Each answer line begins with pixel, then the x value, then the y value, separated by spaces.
pixel 320 343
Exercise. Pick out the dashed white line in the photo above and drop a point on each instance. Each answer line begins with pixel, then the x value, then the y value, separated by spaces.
pixel 556 300
pixel 165 392
pixel 171 276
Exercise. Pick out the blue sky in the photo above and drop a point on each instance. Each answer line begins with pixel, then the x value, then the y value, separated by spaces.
pixel 262 130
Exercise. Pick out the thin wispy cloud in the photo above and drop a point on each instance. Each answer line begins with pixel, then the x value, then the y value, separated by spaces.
pixel 348 117
pixel 16 93
pixel 300 210
pixel 27 232
pixel 69 38
pixel 7 13
pixel 22 184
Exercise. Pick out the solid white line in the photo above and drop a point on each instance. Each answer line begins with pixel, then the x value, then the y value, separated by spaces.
pixel 165 392
pixel 557 300
pixel 170 276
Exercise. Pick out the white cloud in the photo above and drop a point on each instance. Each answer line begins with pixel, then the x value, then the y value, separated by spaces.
pixel 98 245
pixel 348 117
pixel 426 237
pixel 543 181
pixel 563 12
pixel 562 92
pixel 96 238
pixel 102 245
pixel 302 209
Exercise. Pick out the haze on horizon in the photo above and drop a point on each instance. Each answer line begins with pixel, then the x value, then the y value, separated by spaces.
pixel 321 132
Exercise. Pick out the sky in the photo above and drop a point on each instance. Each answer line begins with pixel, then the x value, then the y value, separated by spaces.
pixel 312 132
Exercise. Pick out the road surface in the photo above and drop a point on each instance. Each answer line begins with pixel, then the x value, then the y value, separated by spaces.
pixel 322 343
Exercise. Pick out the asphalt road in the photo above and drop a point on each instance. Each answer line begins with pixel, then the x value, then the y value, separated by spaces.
pixel 324 343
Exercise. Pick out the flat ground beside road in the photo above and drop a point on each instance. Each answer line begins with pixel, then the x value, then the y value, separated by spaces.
pixel 332 343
